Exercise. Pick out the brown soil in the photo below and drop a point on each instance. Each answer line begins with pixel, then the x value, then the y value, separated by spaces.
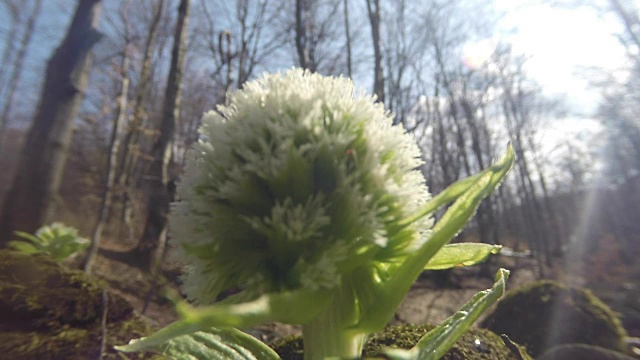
pixel 431 299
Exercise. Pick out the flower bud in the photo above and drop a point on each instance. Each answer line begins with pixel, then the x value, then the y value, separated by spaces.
pixel 298 181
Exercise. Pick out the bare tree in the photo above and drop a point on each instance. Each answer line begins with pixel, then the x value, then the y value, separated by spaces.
pixel 242 40
pixel 630 38
pixel 114 142
pixel 403 51
pixel 619 109
pixel 160 180
pixel 463 114
pixel 30 201
pixel 347 34
pixel 304 35
pixel 373 10
pixel 619 115
pixel 316 31
pixel 517 101
pixel 131 144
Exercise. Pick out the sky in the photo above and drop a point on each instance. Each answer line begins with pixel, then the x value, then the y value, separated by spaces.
pixel 562 44
pixel 48 33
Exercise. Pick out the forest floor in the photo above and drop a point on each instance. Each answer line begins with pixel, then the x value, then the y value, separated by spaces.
pixel 433 298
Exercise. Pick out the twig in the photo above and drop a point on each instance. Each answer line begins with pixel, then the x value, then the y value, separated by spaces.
pixel 156 282
pixel 512 347
pixel 150 294
pixel 103 342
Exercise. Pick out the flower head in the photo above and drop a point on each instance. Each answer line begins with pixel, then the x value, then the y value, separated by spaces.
pixel 297 182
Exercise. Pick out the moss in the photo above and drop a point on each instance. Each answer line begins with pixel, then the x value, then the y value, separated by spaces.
pixel 49 312
pixel 478 344
pixel 289 348
pixel 546 314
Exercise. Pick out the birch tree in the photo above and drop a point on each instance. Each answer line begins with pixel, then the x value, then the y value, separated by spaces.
pixel 316 31
pixel 373 10
pixel 131 144
pixel 347 35
pixel 114 142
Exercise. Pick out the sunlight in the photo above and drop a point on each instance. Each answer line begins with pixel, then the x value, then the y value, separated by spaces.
pixel 576 251
pixel 555 135
pixel 476 54
pixel 559 43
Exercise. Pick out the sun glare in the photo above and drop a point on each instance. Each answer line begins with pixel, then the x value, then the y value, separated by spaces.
pixel 476 54
pixel 559 43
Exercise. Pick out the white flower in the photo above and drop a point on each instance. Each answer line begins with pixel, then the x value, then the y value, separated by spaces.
pixel 297 181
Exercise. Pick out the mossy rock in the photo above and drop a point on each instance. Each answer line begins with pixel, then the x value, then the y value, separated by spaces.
pixel 49 312
pixel 478 344
pixel 546 314
pixel 289 348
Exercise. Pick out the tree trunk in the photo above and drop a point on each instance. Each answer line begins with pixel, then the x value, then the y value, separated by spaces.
pixel 302 36
pixel 530 207
pixel 30 200
pixel 242 12
pixel 549 213
pixel 130 143
pixel 224 49
pixel 114 149
pixel 17 69
pixel 373 9
pixel 347 33
pixel 160 184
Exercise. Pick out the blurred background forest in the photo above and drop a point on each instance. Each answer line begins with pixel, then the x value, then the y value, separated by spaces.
pixel 453 72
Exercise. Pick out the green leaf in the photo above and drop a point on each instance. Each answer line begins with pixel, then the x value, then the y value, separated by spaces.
pixel 463 254
pixel 212 343
pixel 295 307
pixel 438 341
pixel 36 240
pixel 162 336
pixel 393 290
pixel 24 247
pixel 57 240
pixel 446 196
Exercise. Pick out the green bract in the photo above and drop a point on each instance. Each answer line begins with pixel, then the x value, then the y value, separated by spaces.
pixel 304 201
pixel 298 182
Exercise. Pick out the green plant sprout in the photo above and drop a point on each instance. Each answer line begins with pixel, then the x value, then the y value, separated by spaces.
pixel 57 240
pixel 303 200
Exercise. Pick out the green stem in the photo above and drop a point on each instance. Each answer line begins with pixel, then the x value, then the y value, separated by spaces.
pixel 324 340
pixel 332 335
